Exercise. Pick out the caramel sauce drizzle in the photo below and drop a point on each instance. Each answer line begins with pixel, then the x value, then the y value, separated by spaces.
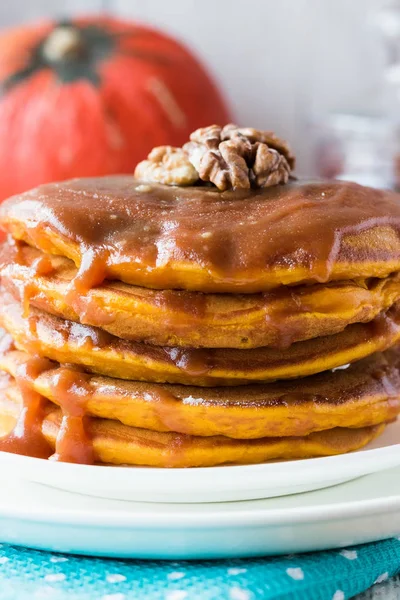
pixel 27 438
pixel 71 388
pixel 233 240
pixel 12 252
pixel 92 271
pixel 41 266
pixel 194 361
pixel 73 443
pixel 88 310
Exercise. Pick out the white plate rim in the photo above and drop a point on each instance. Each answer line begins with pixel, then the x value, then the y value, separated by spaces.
pixel 328 471
pixel 218 519
pixel 224 471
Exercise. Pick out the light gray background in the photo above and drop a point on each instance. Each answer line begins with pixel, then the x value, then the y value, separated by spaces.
pixel 281 62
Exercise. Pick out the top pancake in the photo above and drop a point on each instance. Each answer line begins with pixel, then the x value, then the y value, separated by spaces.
pixel 200 239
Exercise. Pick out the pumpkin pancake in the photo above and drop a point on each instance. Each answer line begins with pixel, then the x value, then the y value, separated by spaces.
pixel 100 352
pixel 200 239
pixel 366 393
pixel 193 319
pixel 115 443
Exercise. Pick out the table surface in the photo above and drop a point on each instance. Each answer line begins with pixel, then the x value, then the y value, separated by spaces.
pixel 389 590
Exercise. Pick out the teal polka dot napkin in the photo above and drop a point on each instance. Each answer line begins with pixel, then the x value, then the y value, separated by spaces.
pixel 334 575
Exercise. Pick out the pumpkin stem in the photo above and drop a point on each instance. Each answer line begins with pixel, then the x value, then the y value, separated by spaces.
pixel 64 42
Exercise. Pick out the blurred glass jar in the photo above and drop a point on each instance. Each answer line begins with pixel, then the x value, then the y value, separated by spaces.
pixel 386 19
pixel 357 148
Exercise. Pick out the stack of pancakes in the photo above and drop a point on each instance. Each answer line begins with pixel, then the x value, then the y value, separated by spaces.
pixel 174 327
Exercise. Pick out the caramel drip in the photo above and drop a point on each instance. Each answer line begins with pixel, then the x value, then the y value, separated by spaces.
pixel 70 387
pixel 23 289
pixel 41 266
pixel 27 438
pixel 166 407
pixel 196 362
pixel 285 336
pixel 73 443
pixel 203 240
pixel 92 272
pixel 89 311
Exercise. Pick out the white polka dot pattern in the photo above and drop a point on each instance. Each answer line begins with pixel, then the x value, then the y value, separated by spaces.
pixel 176 595
pixel 115 578
pixel 349 554
pixel 237 593
pixel 175 575
pixel 295 573
pixel 236 571
pixel 332 575
pixel 54 577
pixel 382 578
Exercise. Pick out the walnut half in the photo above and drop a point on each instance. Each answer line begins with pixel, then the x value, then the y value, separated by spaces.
pixel 239 158
pixel 167 165
pixel 230 157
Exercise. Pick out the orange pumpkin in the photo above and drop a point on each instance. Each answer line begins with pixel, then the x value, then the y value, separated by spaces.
pixel 92 97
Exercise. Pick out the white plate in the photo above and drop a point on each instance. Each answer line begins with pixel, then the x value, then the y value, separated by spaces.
pixel 363 510
pixel 214 484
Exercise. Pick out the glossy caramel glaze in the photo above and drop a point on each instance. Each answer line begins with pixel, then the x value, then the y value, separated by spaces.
pixel 73 443
pixel 98 351
pixel 365 393
pixel 200 239
pixel 26 437
pixel 115 443
pixel 192 319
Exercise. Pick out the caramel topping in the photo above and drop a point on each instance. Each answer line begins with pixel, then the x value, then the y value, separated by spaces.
pixel 199 239
pixel 40 266
pixel 72 389
pixel 27 438
pixel 73 443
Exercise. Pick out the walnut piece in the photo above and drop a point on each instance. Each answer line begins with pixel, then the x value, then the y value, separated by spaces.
pixel 168 165
pixel 239 158
pixel 230 157
pixel 265 137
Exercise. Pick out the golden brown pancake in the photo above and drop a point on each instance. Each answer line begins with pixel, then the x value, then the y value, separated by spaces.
pixel 115 443
pixel 364 394
pixel 200 239
pixel 100 352
pixel 193 319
